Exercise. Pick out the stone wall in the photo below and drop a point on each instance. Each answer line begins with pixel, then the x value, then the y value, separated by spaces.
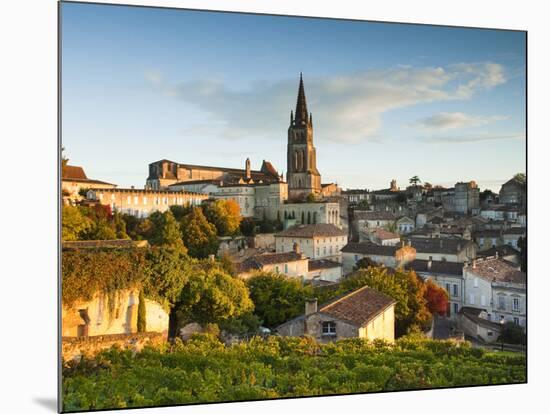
pixel 104 315
pixel 75 348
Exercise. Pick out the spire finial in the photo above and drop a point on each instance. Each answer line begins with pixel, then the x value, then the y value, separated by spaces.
pixel 301 106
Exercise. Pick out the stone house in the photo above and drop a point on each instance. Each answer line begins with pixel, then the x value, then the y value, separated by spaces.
pixel 355 196
pixel 425 215
pixel 514 192
pixel 364 313
pixel 316 241
pixel 405 225
pixel 512 235
pixel 504 251
pixel 448 275
pixel 443 249
pixel 260 200
pixel 74 179
pixel 474 323
pixel 389 256
pixel 372 219
pixel 141 203
pixel 383 237
pixel 324 270
pixel 293 264
pixel 488 239
pixel 498 287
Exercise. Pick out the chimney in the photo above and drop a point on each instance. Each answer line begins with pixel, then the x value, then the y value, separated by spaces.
pixel 311 306
pixel 474 264
pixel 211 257
pixel 496 254
pixel 247 167
pixel 402 243
pixel 409 243
pixel 429 265
pixel 296 248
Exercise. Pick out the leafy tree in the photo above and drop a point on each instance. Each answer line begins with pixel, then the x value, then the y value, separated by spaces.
pixel 401 197
pixel 73 223
pixel 145 229
pixel 363 205
pixel 414 180
pixel 167 231
pixel 427 185
pixel 436 297
pixel 101 230
pixel 391 226
pixel 521 177
pixel 485 194
pixel 405 287
pixel 180 211
pixel 120 226
pixel 225 215
pixel 248 227
pixel 512 334
pixel 228 265
pixel 198 234
pixel 211 296
pixel 131 224
pixel 267 226
pixel 245 324
pixel 364 263
pixel 277 298
pixel 167 272
pixel 142 313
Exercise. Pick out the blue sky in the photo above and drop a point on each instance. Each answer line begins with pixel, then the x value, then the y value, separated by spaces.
pixel 388 100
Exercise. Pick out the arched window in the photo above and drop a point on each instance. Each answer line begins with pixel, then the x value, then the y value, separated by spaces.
pixel 308 217
pixel 303 217
pixel 314 217
pixel 286 215
pixel 296 160
pixel 299 183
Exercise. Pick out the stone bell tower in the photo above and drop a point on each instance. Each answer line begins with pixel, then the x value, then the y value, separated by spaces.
pixel 302 176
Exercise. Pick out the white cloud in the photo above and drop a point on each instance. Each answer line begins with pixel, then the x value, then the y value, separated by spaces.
pixel 346 108
pixel 459 139
pixel 452 120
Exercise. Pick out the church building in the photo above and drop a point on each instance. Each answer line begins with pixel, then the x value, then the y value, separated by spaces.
pixel 303 178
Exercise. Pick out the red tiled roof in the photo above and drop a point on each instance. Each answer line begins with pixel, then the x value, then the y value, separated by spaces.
pixel 358 307
pixel 259 261
pixel 74 172
pixel 497 270
pixel 312 230
pixel 322 264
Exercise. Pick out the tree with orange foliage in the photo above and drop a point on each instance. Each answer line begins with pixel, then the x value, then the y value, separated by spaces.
pixel 436 297
pixel 225 215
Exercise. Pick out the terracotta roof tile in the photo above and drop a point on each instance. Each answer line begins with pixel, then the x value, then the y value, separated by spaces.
pixel 497 270
pixel 358 307
pixel 74 172
pixel 313 230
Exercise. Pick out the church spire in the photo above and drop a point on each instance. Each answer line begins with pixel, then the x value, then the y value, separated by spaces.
pixel 301 106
